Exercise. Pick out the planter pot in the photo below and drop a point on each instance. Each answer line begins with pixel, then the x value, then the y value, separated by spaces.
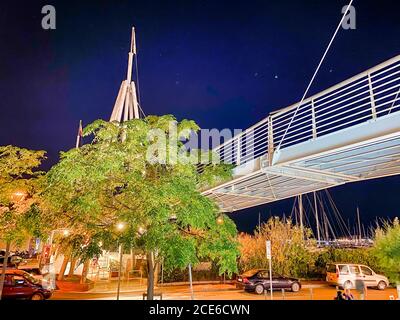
pixel 74 285
pixel 114 274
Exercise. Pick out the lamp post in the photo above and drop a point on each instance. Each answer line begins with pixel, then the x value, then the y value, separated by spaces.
pixel 120 228
pixel 191 282
pixel 18 196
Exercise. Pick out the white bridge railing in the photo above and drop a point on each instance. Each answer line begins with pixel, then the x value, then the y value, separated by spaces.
pixel 364 97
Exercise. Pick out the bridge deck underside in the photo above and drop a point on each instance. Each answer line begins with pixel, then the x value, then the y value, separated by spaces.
pixel 372 159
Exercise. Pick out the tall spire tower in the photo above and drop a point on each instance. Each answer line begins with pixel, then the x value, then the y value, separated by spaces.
pixel 126 105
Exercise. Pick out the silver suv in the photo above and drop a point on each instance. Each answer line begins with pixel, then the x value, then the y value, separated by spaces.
pixel 345 274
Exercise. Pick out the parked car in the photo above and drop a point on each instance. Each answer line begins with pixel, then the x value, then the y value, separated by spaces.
pixel 19 284
pixel 13 259
pixel 37 273
pixel 257 280
pixel 345 275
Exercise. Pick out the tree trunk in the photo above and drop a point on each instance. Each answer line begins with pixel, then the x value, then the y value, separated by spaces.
pixel 63 268
pixel 85 271
pixel 133 260
pixel 156 272
pixel 3 271
pixel 72 268
pixel 150 275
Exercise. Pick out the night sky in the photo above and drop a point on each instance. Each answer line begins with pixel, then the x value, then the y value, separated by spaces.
pixel 224 64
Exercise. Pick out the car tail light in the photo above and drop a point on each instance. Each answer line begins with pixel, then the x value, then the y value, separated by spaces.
pixel 245 280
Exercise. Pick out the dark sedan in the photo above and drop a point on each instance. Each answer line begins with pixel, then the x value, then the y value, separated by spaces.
pixel 258 280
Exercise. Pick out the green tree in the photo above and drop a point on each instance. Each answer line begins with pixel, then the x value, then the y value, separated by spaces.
pixel 135 173
pixel 349 255
pixel 20 183
pixel 387 249
pixel 291 253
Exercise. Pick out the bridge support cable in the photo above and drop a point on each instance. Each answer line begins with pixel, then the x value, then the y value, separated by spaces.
pixel 315 73
pixel 394 101
pixel 343 145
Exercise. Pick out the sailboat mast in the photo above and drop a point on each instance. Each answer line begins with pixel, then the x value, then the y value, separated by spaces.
pixel 301 215
pixel 326 227
pixel 316 216
pixel 359 224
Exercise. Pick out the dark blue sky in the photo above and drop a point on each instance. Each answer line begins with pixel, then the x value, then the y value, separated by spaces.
pixel 224 64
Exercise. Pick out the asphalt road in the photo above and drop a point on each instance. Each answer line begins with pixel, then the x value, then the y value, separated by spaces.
pixel 223 292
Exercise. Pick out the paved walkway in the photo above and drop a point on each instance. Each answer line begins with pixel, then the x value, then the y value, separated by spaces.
pixel 135 286
pixel 221 292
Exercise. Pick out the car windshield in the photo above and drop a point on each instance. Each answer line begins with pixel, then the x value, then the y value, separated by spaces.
pixel 265 274
pixel 250 273
pixel 30 278
pixel 331 268
pixel 33 271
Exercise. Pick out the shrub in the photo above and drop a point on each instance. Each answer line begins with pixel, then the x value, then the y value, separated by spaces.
pixel 291 254
pixel 348 255
pixel 387 249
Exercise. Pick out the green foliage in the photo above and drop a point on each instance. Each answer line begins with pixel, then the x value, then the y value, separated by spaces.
pixel 179 275
pixel 20 184
pixel 291 255
pixel 345 255
pixel 387 249
pixel 114 178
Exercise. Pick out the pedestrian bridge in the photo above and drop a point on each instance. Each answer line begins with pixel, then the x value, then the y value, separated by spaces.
pixel 347 133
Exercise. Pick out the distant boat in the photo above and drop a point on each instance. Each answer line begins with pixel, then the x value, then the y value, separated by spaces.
pixel 329 229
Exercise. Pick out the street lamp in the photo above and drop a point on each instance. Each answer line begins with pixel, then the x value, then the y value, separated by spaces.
pixel 220 220
pixel 141 230
pixel 66 233
pixel 18 196
pixel 120 227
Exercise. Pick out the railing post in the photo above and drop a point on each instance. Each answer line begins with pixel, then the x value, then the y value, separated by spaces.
pixel 314 122
pixel 371 94
pixel 239 145
pixel 270 140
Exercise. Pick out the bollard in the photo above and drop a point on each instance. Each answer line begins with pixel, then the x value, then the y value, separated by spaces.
pixel 311 294
pixel 265 294
pixel 283 294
